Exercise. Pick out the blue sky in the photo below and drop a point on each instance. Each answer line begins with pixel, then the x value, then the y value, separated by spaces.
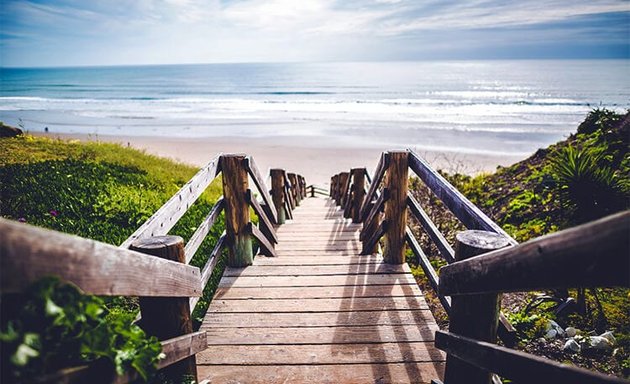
pixel 119 32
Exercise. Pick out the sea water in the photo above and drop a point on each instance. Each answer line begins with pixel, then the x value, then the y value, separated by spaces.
pixel 493 107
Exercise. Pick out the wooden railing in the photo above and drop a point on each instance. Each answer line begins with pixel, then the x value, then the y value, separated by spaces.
pixel 154 266
pixel 598 251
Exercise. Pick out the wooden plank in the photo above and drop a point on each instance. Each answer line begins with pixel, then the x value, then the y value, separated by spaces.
pixel 263 220
pixel 202 231
pixel 431 229
pixel 594 254
pixel 370 244
pixel 395 211
pixel 468 213
pixel 246 293
pixel 179 348
pixel 316 281
pixel 379 172
pixel 315 253
pixel 29 253
pixel 318 319
pixel 377 208
pixel 320 354
pixel 265 246
pixel 259 181
pixel 517 365
pixel 321 260
pixel 352 304
pixel 320 335
pixel 416 373
pixel 324 270
pixel 165 218
pixel 212 261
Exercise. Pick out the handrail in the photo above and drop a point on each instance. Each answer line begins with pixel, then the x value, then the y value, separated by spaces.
pixel 468 213
pixel 377 208
pixel 253 171
pixel 207 270
pixel 165 218
pixel 379 172
pixel 593 254
pixel 30 253
pixel 203 230
pixel 431 229
pixel 264 222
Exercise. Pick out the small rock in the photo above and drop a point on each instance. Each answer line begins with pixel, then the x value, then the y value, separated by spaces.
pixel 572 346
pixel 570 331
pixel 610 337
pixel 542 340
pixel 551 334
pixel 598 342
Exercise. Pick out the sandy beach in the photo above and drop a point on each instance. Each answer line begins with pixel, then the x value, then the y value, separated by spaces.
pixel 316 158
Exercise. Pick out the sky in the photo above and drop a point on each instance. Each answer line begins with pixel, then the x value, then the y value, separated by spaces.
pixel 129 32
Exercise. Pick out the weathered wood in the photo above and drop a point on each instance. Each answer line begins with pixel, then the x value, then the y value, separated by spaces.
pixel 182 347
pixel 167 318
pixel 320 260
pixel 379 172
pixel 316 305
pixel 202 230
pixel 347 207
pixel 266 247
pixel 165 218
pixel 320 270
pixel 369 245
pixel 333 187
pixel 594 254
pixel 320 335
pixel 277 193
pixel 235 184
pixel 334 292
pixel 484 309
pixel 289 192
pixel 254 172
pixel 395 212
pixel 314 281
pixel 321 354
pixel 373 216
pixel 426 266
pixel 471 216
pixel 431 229
pixel 295 188
pixel 344 179
pixel 28 253
pixel 358 178
pixel 515 365
pixel 206 273
pixel 417 373
pixel 265 225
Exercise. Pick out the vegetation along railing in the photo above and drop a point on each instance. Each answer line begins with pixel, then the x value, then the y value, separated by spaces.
pixel 597 253
pixel 154 266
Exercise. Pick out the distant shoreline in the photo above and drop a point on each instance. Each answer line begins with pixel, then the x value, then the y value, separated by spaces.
pixel 314 157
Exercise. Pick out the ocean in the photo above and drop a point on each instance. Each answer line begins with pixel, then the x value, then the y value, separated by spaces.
pixel 489 107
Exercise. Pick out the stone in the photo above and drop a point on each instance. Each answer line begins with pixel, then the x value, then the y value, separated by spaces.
pixel 551 334
pixel 572 346
pixel 570 331
pixel 601 343
pixel 8 131
pixel 610 337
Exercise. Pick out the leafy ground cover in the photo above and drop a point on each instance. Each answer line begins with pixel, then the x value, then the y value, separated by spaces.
pixel 582 178
pixel 100 191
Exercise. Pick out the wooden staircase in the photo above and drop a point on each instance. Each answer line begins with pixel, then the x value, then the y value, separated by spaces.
pixel 319 312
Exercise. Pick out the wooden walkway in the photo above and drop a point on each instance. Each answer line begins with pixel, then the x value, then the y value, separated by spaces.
pixel 319 312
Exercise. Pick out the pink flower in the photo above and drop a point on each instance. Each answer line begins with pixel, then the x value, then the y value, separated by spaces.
pixel 22 220
pixel 54 213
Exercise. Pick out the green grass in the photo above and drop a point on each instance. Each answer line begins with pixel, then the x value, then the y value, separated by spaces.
pixel 100 191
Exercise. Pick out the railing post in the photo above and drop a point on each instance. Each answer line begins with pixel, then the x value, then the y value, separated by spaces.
pixel 332 186
pixel 277 194
pixel 358 187
pixel 341 182
pixel 396 207
pixel 167 317
pixel 235 185
pixel 295 188
pixel 312 191
pixel 335 188
pixel 473 316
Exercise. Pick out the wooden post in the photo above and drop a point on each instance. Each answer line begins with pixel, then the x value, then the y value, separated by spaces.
pixel 303 186
pixel 473 316
pixel 295 188
pixel 235 185
pixel 343 180
pixel 369 231
pixel 167 317
pixel 358 187
pixel 332 188
pixel 396 207
pixel 277 194
pixel 335 188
